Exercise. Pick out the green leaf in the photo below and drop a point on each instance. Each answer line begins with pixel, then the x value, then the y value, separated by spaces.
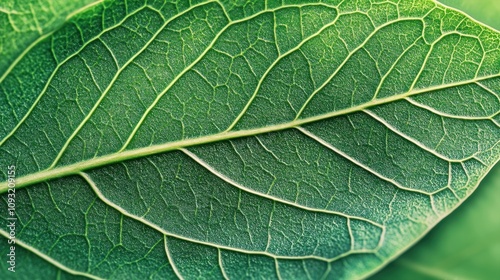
pixel 257 139
pixel 24 23
pixel 485 11
pixel 466 244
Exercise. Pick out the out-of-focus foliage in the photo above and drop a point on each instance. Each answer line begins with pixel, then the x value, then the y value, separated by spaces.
pixel 466 245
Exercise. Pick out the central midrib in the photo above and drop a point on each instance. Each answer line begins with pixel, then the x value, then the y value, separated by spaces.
pixel 75 168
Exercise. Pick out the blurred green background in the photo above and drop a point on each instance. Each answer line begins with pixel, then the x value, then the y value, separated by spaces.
pixel 466 244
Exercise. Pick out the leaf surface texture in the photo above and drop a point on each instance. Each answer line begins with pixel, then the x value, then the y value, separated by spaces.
pixel 222 140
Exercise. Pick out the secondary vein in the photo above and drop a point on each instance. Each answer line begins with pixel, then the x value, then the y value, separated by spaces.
pixel 75 168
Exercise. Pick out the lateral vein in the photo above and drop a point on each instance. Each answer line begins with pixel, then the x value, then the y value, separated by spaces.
pixel 75 168
pixel 346 156
pixel 49 259
pixel 283 201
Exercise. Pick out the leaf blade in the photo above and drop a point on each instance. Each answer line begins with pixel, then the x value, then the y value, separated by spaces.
pixel 316 129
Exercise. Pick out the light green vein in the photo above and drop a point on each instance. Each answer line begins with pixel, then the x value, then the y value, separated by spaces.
pixel 354 51
pixel 230 181
pixel 453 116
pixel 414 141
pixel 55 71
pixel 382 80
pixel 153 226
pixel 115 77
pixel 210 46
pixel 357 163
pixel 221 265
pixel 170 259
pixel 49 259
pixel 75 168
pixel 373 33
pixel 41 38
